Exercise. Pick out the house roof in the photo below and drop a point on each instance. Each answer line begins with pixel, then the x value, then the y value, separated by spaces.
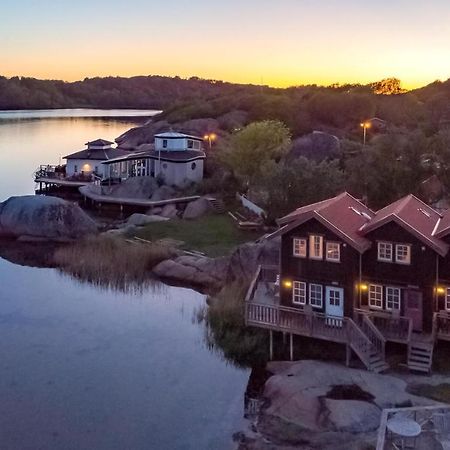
pixel 99 142
pixel 175 135
pixel 98 154
pixel 443 226
pixel 343 214
pixel 185 156
pixel 413 215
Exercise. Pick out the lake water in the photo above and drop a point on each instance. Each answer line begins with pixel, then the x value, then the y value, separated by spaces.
pixel 82 367
pixel 31 138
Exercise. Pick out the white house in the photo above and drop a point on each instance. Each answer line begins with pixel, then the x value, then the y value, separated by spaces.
pixel 176 158
pixel 89 161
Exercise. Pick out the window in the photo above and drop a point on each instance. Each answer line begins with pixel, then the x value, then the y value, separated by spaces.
pixel 165 143
pixel 299 293
pixel 333 251
pixel 190 143
pixel 75 168
pixel 299 247
pixel 384 251
pixel 375 296
pixel 197 145
pixel 315 295
pixel 447 299
pixel 315 247
pixel 193 166
pixel 334 297
pixel 392 298
pixel 403 253
pixel 96 169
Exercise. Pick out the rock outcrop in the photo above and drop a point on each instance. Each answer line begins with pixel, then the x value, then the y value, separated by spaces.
pixel 197 208
pixel 195 270
pixel 44 218
pixel 327 405
pixel 141 220
pixel 163 193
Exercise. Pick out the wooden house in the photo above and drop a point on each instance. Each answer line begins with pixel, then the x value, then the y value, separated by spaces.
pixel 350 275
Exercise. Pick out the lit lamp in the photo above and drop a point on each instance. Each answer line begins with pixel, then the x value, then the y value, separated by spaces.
pixel 211 137
pixel 440 290
pixel 365 126
pixel 363 287
pixel 287 284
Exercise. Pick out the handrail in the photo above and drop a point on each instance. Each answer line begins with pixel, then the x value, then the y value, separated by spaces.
pixel 375 336
pixel 359 342
pixel 441 324
pixel 253 284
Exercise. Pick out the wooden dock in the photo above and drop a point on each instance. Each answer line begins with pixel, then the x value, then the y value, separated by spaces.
pixel 53 181
pixel 124 201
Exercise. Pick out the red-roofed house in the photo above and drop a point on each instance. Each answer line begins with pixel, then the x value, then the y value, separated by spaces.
pixel 349 275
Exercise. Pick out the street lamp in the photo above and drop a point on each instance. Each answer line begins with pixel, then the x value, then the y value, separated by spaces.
pixel 365 126
pixel 211 137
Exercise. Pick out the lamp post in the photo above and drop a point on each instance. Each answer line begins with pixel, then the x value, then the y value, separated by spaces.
pixel 364 126
pixel 210 137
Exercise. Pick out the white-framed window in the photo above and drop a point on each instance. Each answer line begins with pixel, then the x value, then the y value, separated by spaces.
pixel 315 247
pixel 333 251
pixel 393 298
pixel 403 253
pixel 376 296
pixel 190 144
pixel 316 295
pixel 165 142
pixel 299 292
pixel 447 299
pixel 385 251
pixel 299 247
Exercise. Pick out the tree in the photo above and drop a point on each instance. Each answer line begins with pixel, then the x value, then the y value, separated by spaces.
pixel 251 148
pixel 388 86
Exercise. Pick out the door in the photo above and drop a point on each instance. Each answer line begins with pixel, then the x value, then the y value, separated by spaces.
pixel 334 304
pixel 414 308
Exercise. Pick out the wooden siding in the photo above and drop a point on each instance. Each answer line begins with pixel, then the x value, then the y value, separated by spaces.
pixel 343 274
pixel 420 274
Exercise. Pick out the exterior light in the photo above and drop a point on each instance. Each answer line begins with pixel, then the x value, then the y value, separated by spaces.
pixel 363 287
pixel 440 290
pixel 210 138
pixel 287 284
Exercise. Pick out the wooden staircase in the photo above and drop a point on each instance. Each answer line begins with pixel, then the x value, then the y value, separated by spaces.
pixel 420 356
pixel 217 205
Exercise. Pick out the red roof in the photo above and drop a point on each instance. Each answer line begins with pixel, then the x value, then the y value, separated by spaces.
pixel 343 214
pixel 443 225
pixel 415 216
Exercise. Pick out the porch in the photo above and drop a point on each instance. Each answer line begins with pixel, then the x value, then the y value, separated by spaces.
pixel 366 333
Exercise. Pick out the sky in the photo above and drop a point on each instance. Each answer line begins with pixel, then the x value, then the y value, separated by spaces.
pixel 274 42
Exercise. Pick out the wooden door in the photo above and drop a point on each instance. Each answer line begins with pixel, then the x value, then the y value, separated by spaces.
pixel 414 308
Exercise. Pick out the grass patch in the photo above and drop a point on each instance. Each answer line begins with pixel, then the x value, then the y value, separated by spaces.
pixel 439 392
pixel 226 331
pixel 213 234
pixel 110 261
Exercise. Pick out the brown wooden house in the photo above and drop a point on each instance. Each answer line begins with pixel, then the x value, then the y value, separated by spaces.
pixel 349 275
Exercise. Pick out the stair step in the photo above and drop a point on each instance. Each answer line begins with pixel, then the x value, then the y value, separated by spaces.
pixel 419 367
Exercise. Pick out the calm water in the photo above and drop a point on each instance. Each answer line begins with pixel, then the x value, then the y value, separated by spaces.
pixel 86 368
pixel 31 138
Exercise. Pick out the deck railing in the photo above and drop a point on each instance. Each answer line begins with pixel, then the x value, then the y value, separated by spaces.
pixel 395 329
pixel 265 273
pixel 441 325
pixel 372 332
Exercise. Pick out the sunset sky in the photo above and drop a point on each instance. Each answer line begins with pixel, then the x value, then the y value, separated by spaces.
pixel 277 42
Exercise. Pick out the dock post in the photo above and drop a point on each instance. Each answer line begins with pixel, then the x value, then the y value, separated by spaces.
pixel 348 355
pixel 270 345
pixel 291 346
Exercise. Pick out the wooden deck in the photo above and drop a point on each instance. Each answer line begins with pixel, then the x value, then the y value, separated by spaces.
pixel 366 333
pixel 61 182
pixel 124 201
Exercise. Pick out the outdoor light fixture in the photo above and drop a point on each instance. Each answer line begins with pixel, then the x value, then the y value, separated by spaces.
pixel 211 137
pixel 287 283
pixel 440 290
pixel 363 287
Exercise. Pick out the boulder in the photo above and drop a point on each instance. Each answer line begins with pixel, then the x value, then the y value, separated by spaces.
pixel 44 217
pixel 135 187
pixel 140 220
pixel 170 211
pixel 154 211
pixel 163 193
pixel 195 270
pixel 197 208
pixel 317 146
pixel 245 260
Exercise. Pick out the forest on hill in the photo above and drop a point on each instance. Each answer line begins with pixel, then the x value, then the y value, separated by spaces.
pixel 338 108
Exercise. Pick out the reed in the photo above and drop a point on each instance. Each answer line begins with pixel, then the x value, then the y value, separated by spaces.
pixel 111 261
